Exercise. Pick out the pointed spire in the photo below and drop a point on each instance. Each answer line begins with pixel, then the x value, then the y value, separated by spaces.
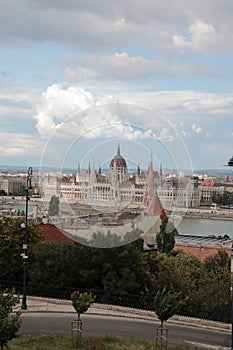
pixel 93 165
pixel 118 150
pixel 139 170
pixel 151 190
pixel 161 169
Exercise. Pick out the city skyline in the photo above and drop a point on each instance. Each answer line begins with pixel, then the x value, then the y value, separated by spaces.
pixel 77 78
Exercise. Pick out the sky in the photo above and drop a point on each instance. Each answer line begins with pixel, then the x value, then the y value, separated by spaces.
pixel 78 78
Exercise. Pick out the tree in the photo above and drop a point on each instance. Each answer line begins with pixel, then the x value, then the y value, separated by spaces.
pixel 217 262
pixel 55 269
pixel 53 206
pixel 179 272
pixel 12 237
pixel 9 323
pixel 225 198
pixel 165 238
pixel 166 304
pixel 81 302
pixel 215 287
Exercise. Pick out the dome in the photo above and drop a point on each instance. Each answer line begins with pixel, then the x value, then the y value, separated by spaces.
pixel 118 161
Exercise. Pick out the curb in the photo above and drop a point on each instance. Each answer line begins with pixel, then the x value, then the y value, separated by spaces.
pixel 46 305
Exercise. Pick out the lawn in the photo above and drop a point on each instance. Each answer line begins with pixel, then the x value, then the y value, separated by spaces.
pixel 87 343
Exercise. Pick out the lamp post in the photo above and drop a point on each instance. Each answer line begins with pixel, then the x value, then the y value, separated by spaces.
pixel 25 245
pixel 232 299
pixel 230 164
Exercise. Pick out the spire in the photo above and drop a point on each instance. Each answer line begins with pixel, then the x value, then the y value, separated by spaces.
pixel 161 169
pixel 93 166
pixel 139 170
pixel 118 150
pixel 151 190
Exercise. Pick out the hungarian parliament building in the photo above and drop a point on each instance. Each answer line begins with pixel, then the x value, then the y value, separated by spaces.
pixel 119 188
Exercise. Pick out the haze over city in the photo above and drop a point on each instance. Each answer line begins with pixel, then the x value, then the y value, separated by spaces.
pixel 78 76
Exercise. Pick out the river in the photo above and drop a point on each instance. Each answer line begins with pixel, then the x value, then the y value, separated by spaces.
pixel 205 227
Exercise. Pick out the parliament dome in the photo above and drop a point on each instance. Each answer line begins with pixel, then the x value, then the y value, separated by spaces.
pixel 118 161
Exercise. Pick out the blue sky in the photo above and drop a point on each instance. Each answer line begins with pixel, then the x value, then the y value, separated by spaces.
pixel 69 70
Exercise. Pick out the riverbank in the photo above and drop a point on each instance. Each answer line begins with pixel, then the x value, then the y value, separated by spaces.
pixel 210 216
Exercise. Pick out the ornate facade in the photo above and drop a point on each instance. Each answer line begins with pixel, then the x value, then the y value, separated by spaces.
pixel 118 188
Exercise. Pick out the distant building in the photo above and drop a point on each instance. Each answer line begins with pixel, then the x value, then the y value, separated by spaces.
pixel 208 189
pixel 11 184
pixel 119 188
pixel 203 247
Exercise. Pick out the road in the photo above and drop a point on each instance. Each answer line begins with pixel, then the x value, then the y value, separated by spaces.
pixel 59 323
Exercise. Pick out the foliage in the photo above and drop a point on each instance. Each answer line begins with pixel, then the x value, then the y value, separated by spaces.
pixel 223 199
pixel 167 303
pixel 215 285
pixel 9 323
pixel 100 240
pixel 165 240
pixel 180 272
pixel 81 301
pixel 53 206
pixel 12 237
pixel 115 275
pixel 55 269
pixel 217 262
pixel 123 275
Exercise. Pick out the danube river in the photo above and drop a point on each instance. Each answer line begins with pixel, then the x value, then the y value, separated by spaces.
pixel 205 227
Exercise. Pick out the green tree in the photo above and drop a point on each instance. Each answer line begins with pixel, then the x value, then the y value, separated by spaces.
pixel 165 239
pixel 179 272
pixel 167 303
pixel 226 198
pixel 217 262
pixel 12 237
pixel 55 268
pixel 9 323
pixel 81 302
pixel 53 206
pixel 215 285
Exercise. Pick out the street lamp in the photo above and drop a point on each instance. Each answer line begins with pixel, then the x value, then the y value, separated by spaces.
pixel 230 164
pixel 25 245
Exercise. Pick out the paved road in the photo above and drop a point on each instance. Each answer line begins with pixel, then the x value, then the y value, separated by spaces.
pixel 59 323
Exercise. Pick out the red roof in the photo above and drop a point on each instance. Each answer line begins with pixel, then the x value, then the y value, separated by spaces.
pixel 208 184
pixel 154 207
pixel 54 234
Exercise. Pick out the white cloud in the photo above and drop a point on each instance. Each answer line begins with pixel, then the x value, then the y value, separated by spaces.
pixel 119 66
pixel 73 112
pixel 203 35
pixel 16 144
pixel 197 129
pixel 59 103
pixel 166 135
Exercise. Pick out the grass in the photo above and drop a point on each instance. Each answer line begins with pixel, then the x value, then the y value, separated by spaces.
pixel 87 343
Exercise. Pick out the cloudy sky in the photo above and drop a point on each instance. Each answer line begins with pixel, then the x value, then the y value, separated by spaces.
pixel 78 77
